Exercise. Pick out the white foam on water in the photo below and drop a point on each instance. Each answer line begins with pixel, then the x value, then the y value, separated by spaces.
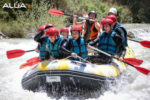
pixel 11 75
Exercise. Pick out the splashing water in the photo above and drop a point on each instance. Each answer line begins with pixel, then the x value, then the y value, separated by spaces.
pixel 132 86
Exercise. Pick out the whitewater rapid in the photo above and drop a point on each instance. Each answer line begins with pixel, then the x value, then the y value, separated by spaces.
pixel 132 86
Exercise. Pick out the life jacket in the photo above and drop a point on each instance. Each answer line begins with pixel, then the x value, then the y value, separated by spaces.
pixel 54 50
pixel 93 32
pixel 107 44
pixel 125 33
pixel 79 49
pixel 42 49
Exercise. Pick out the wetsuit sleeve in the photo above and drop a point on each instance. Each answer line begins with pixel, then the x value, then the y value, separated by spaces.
pixel 121 33
pixel 94 42
pixel 39 45
pixel 119 41
pixel 38 38
pixel 65 46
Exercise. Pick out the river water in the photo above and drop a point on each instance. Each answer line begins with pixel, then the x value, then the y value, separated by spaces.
pixel 132 86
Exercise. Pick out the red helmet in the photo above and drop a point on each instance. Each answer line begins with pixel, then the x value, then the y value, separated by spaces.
pixel 48 26
pixel 64 29
pixel 76 28
pixel 112 17
pixel 52 32
pixel 107 21
pixel 41 28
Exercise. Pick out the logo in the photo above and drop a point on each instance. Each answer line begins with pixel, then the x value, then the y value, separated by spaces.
pixel 16 5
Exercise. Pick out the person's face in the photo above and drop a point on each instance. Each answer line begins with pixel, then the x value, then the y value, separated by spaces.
pixel 64 34
pixel 110 13
pixel 52 38
pixel 107 28
pixel 75 34
pixel 92 16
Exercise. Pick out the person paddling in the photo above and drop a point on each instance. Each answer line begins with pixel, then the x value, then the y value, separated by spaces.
pixel 108 42
pixel 41 38
pixel 120 30
pixel 54 44
pixel 91 26
pixel 76 46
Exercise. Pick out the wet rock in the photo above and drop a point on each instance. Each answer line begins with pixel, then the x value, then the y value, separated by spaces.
pixel 31 34
pixel 131 34
pixel 3 36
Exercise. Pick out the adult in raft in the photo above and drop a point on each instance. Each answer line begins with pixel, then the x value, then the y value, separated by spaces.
pixel 76 46
pixel 108 42
pixel 91 26
pixel 43 55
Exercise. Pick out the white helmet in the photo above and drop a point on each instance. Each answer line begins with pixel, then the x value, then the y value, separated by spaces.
pixel 113 10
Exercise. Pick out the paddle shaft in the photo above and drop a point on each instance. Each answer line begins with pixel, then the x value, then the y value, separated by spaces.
pixel 68 15
pixel 134 40
pixel 79 17
pixel 83 59
pixel 108 54
pixel 30 50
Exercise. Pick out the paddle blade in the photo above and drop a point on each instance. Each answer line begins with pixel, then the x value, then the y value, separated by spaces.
pixel 34 59
pixel 30 62
pixel 15 53
pixel 133 61
pixel 55 12
pixel 24 65
pixel 143 70
pixel 145 43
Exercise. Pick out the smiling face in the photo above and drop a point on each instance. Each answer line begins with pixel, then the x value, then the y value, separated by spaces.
pixel 107 28
pixel 75 34
pixel 52 38
pixel 92 16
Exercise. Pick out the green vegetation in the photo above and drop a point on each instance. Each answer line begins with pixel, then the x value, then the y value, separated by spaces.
pixel 19 22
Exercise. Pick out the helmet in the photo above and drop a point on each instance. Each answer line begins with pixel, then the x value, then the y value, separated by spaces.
pixel 102 20
pixel 76 28
pixel 41 28
pixel 113 10
pixel 48 26
pixel 112 17
pixel 52 32
pixel 64 29
pixel 107 21
pixel 93 12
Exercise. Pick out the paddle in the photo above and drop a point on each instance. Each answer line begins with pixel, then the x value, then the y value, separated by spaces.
pixel 140 69
pixel 144 43
pixel 134 61
pixel 30 62
pixel 83 59
pixel 16 53
pixel 59 12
